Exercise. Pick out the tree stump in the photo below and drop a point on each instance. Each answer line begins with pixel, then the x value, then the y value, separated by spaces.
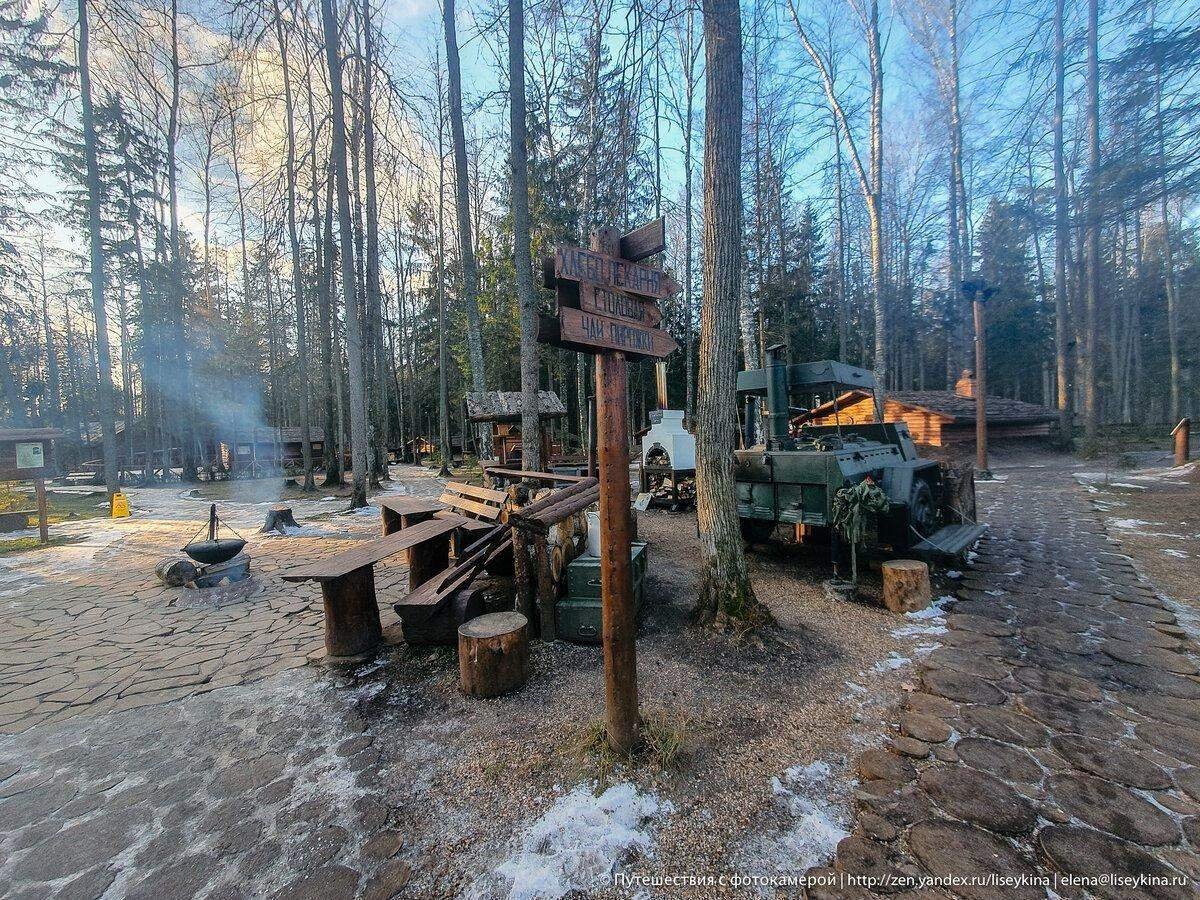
pixel 906 585
pixel 175 571
pixel 279 519
pixel 493 654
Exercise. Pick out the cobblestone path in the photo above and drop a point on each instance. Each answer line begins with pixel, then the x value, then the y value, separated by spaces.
pixel 87 628
pixel 273 789
pixel 1055 732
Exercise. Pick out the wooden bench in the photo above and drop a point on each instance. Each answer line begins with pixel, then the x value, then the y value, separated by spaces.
pixel 480 507
pixel 505 476
pixel 15 519
pixel 347 579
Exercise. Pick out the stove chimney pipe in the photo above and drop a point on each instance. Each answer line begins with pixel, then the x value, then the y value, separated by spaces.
pixel 660 381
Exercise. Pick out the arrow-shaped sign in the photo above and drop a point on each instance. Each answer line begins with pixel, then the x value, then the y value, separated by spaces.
pixel 577 264
pixel 587 329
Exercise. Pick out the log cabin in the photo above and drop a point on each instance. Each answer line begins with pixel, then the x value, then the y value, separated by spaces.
pixel 940 418
pixel 502 410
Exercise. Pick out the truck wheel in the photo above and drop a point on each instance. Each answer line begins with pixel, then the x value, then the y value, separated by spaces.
pixel 757 531
pixel 922 514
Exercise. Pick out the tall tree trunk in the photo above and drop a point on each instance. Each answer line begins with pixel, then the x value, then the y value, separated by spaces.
pixel 108 430
pixel 294 243
pixel 354 347
pixel 53 385
pixel 1062 237
pixel 374 298
pixel 531 431
pixel 875 202
pixel 689 251
pixel 443 383
pixel 1091 410
pixel 181 377
pixel 726 591
pixel 1174 359
pixel 462 204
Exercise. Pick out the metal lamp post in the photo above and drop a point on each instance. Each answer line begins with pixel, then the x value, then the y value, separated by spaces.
pixel 978 293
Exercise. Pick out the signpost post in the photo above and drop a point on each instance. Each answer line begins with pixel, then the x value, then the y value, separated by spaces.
pixel 606 306
pixel 978 292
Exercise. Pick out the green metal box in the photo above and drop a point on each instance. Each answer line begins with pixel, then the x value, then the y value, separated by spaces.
pixel 583 573
pixel 578 616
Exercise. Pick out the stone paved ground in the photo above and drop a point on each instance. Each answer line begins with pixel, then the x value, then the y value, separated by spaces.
pixel 1055 733
pixel 87 628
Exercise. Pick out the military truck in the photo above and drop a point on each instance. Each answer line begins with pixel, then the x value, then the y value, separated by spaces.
pixel 793 475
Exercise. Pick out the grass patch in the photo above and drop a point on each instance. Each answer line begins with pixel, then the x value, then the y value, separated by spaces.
pixel 61 506
pixel 661 738
pixel 20 545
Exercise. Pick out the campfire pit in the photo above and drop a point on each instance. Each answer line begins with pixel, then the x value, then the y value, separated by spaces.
pixel 214 550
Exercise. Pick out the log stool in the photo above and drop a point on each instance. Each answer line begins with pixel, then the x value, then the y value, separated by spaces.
pixel 493 654
pixel 906 585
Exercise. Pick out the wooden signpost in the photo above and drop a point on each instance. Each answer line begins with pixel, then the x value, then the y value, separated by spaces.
pixel 606 306
pixel 24 454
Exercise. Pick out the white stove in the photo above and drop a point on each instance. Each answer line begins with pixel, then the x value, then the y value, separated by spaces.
pixel 668 435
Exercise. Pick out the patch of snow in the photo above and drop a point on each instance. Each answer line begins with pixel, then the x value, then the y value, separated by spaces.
pixel 1128 486
pixel 932 611
pixel 576 845
pixel 18 535
pixel 1130 524
pixel 893 662
pixel 954 573
pixel 816 800
pixel 1178 554
pixel 305 531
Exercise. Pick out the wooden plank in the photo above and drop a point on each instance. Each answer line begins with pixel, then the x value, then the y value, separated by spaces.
pixel 479 493
pixel 341 564
pixel 577 264
pixel 602 301
pixel 579 327
pixel 462 504
pixel 521 474
pixel 646 241
pixel 407 506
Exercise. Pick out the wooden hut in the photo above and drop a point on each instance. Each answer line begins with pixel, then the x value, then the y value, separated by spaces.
pixel 502 409
pixel 941 418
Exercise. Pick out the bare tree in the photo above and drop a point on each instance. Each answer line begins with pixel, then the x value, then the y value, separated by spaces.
pixel 462 203
pixel 354 346
pixel 870 179
pixel 726 592
pixel 531 431
pixel 294 245
pixel 108 429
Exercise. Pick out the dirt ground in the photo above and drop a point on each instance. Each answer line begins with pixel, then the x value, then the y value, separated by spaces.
pixel 761 781
pixel 382 779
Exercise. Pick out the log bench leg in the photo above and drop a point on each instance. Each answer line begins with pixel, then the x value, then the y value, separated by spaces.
pixel 427 559
pixel 352 626
pixel 394 521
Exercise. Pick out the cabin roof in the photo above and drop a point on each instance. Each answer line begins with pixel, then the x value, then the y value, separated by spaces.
pixel 505 406
pixel 949 406
pixel 29 434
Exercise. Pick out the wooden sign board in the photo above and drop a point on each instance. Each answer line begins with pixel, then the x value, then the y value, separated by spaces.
pixel 604 332
pixel 25 452
pixel 646 241
pixel 604 302
pixel 643 242
pixel 618 305
pixel 577 264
